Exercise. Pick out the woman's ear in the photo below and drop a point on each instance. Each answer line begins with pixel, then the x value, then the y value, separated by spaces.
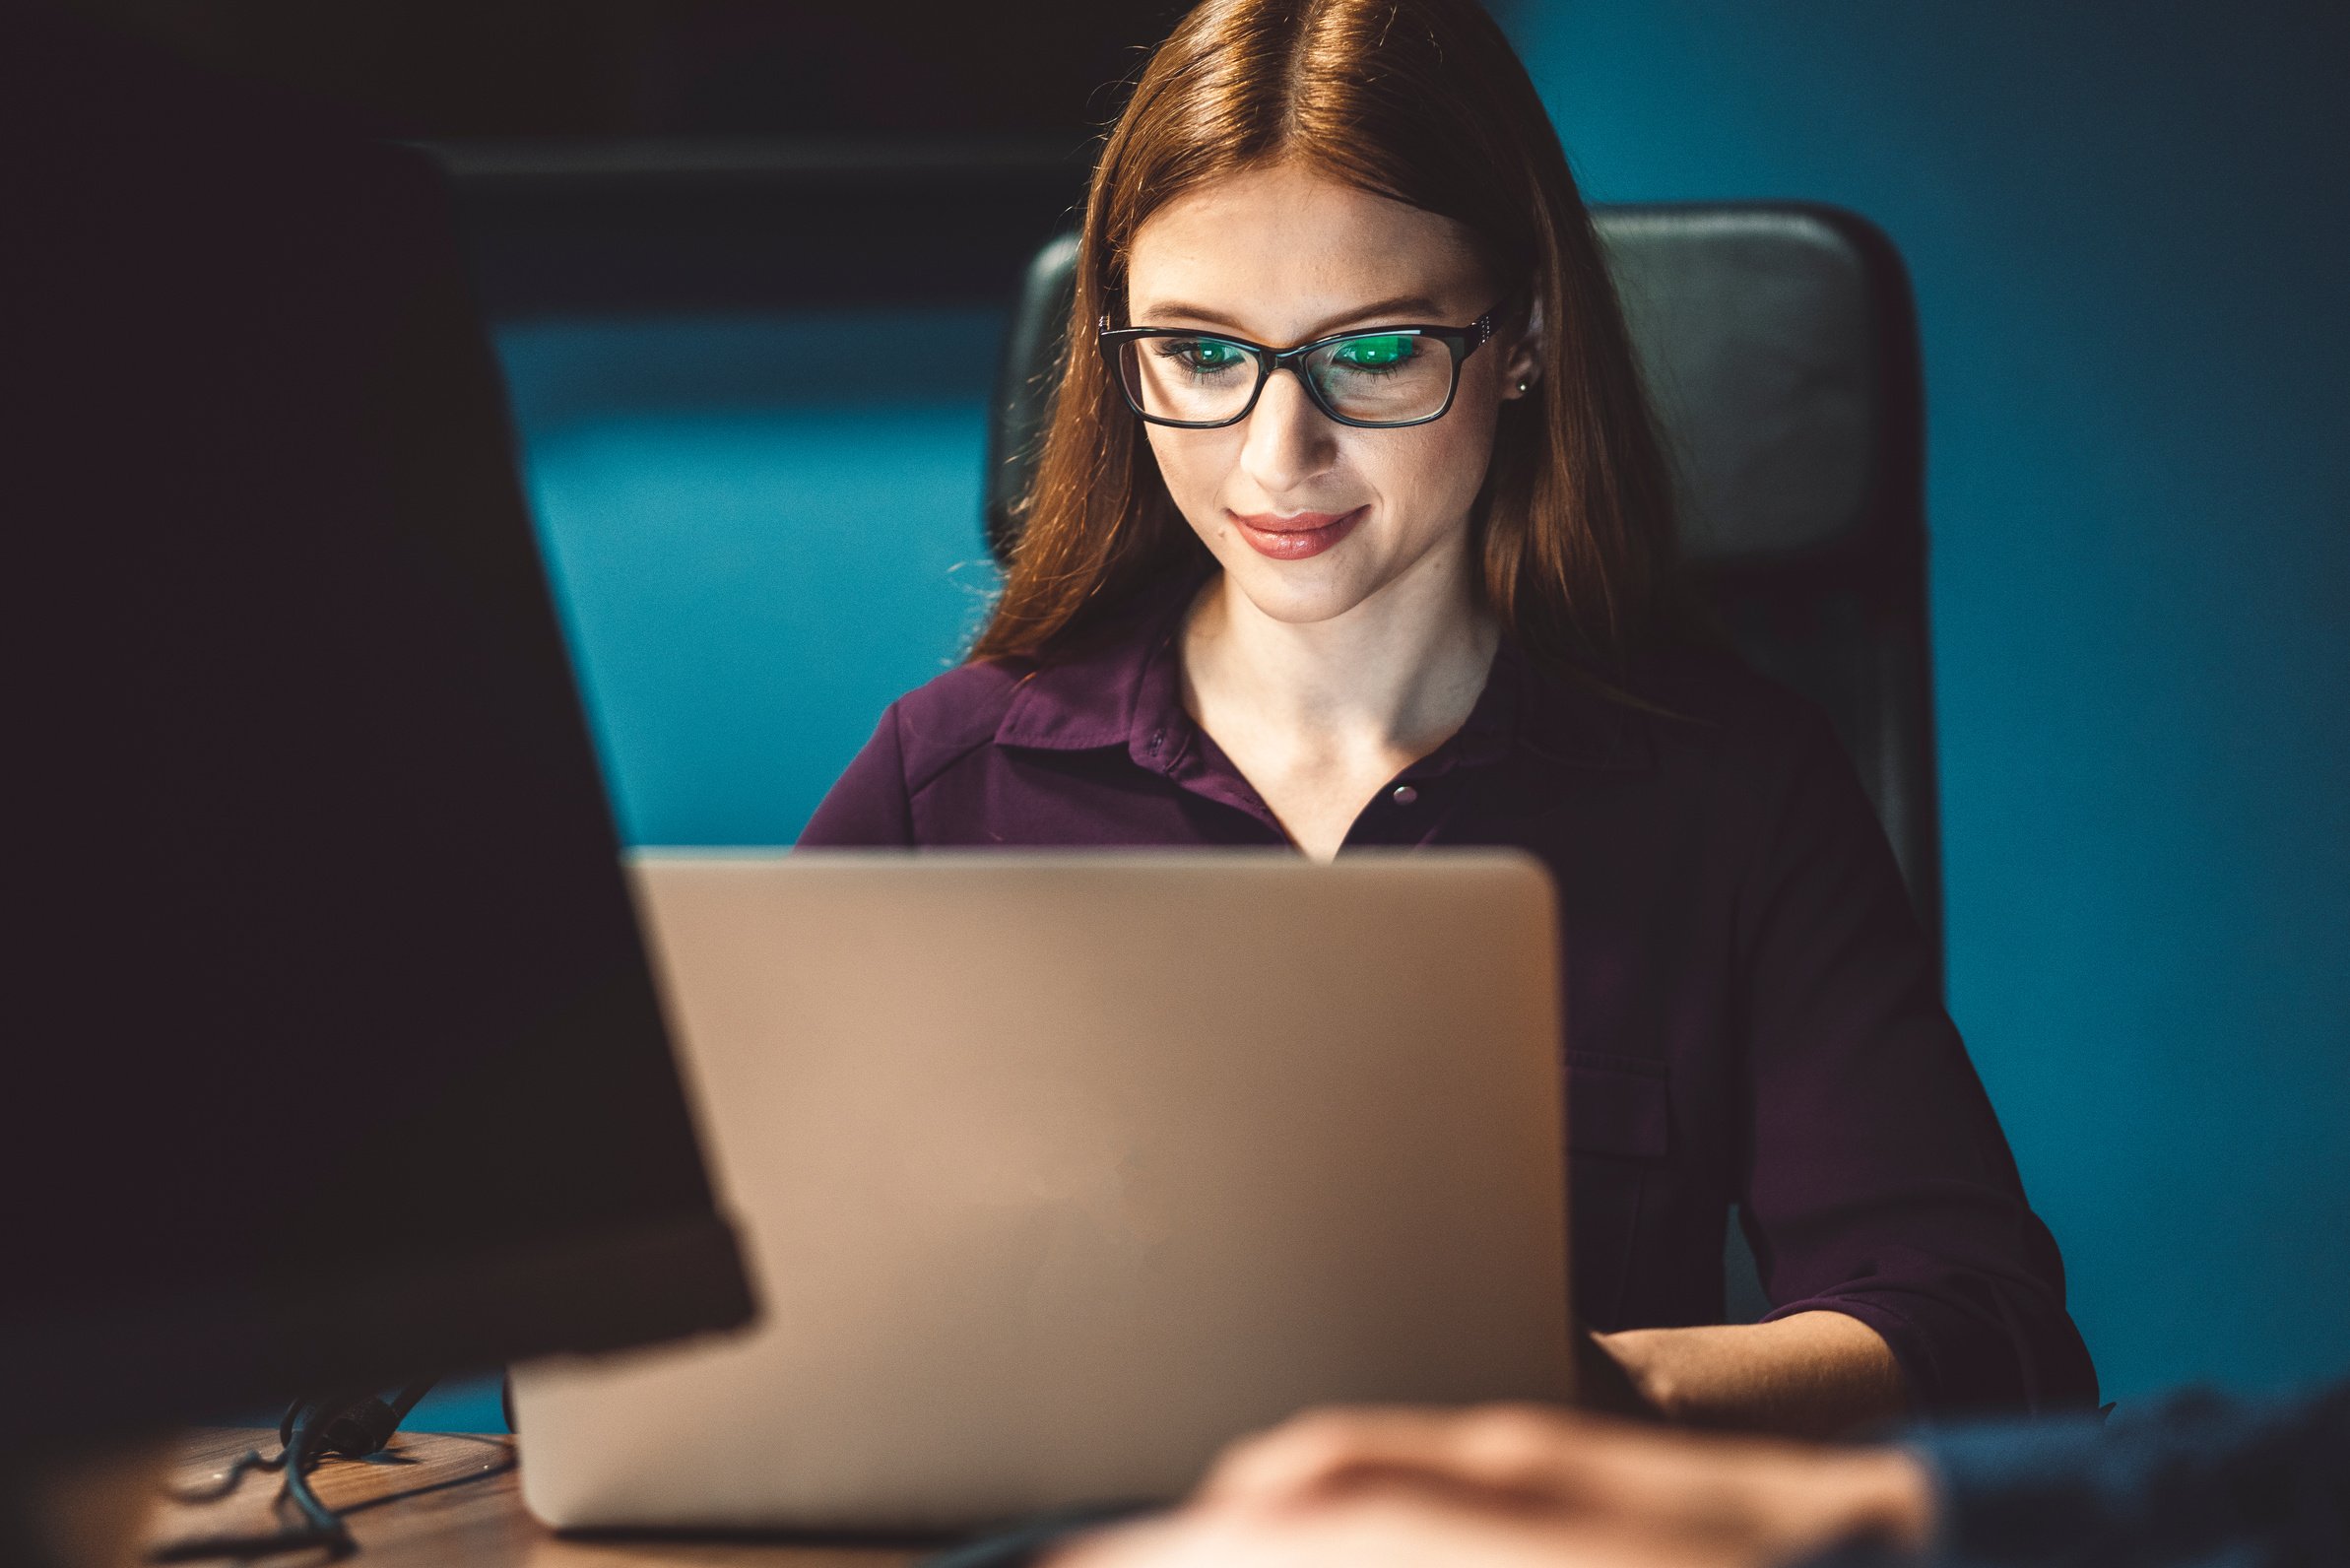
pixel 1525 367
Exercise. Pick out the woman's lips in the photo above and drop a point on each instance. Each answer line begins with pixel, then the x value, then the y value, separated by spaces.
pixel 1297 536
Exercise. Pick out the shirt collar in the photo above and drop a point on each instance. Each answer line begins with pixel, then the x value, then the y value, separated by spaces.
pixel 1127 691
pixel 1118 691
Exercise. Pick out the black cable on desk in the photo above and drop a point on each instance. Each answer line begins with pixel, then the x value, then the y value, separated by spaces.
pixel 302 1434
pixel 352 1423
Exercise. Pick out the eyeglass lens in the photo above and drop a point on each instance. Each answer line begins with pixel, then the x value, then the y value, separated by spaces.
pixel 1382 378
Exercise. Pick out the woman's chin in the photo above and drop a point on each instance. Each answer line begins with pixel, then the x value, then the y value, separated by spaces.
pixel 1301 593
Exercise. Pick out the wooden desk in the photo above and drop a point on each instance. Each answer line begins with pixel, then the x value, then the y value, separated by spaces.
pixel 452 1501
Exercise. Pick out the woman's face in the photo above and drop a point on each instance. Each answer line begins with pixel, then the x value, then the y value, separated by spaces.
pixel 1308 517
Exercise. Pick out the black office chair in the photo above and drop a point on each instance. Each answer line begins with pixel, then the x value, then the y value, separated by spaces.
pixel 1782 353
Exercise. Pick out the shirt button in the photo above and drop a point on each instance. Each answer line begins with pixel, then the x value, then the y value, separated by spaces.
pixel 1404 795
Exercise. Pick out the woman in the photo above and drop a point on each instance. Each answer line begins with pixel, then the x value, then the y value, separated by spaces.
pixel 1349 528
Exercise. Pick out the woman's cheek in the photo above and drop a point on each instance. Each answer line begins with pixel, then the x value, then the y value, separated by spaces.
pixel 1430 481
pixel 1190 474
pixel 1458 472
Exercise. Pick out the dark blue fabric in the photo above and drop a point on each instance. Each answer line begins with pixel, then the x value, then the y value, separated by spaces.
pixel 2195 1478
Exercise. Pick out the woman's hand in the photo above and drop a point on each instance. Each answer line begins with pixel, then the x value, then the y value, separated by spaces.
pixel 1518 1484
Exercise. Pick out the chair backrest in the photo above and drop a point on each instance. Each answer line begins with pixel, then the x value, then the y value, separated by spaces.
pixel 1781 351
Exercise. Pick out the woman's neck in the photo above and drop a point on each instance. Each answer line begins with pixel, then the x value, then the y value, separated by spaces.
pixel 1392 677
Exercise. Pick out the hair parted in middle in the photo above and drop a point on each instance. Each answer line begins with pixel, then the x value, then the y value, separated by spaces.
pixel 1422 102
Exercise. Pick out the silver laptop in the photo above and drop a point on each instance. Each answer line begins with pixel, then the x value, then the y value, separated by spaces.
pixel 1058 1171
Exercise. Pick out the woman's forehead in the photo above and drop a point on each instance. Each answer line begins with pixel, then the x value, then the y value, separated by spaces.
pixel 1282 254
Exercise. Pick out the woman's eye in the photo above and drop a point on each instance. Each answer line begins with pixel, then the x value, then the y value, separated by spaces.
pixel 1203 354
pixel 1382 353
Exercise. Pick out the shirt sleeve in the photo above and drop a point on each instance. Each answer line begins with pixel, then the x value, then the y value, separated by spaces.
pixel 2195 1477
pixel 869 807
pixel 1878 1183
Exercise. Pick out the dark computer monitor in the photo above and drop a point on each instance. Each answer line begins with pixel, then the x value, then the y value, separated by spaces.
pixel 332 1053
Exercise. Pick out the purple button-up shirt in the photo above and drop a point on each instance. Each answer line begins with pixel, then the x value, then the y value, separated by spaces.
pixel 1752 1011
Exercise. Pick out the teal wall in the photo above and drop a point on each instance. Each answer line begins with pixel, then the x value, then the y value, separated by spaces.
pixel 761 530
pixel 2128 246
pixel 2126 228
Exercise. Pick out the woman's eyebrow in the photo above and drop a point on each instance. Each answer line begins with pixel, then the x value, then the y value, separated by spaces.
pixel 1418 307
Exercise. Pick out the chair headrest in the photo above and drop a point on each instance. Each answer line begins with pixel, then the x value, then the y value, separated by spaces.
pixel 1780 348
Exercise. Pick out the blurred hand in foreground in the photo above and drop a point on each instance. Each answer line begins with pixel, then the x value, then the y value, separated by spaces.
pixel 1519 1485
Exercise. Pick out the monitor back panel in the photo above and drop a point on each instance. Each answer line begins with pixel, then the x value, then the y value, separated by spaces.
pixel 1057 1172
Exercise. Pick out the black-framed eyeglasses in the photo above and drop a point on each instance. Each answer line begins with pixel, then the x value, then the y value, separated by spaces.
pixel 1377 378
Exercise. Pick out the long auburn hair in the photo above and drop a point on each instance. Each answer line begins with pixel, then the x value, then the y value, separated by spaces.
pixel 1422 102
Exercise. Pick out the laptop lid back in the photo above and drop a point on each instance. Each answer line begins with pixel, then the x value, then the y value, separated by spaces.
pixel 1059 1171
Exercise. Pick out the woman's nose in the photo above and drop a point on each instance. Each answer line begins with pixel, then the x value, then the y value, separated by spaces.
pixel 1288 440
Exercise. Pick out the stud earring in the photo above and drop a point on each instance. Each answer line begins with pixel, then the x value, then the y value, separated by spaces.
pixel 1522 385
